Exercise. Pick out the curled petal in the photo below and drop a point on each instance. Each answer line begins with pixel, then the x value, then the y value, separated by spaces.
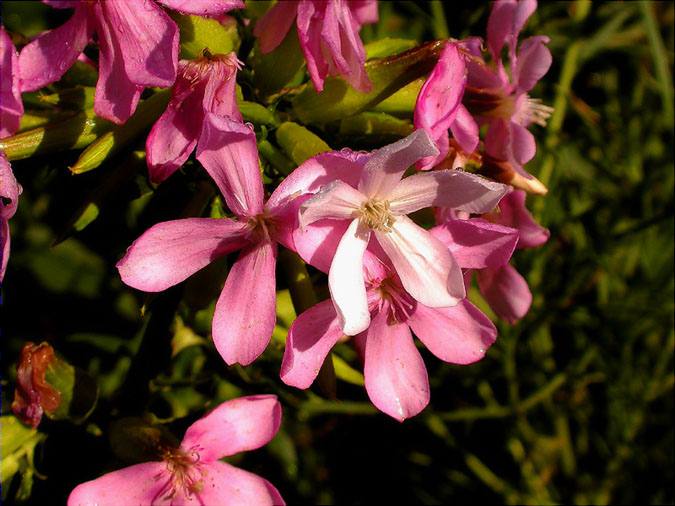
pixel 336 200
pixel 226 484
pixel 460 334
pixel 245 312
pixel 345 280
pixel 203 7
pixel 396 379
pixel 310 339
pixel 239 425
pixel 506 291
pixel 170 252
pixel 427 270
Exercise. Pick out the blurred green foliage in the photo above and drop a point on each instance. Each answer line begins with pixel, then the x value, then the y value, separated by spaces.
pixel 573 404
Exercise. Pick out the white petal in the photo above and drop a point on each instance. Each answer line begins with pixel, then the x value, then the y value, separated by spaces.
pixel 335 200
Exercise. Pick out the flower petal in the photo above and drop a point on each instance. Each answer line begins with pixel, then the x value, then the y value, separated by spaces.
pixel 226 484
pixel 317 243
pixel 427 270
pixel 384 169
pixel 203 7
pixel 513 213
pixel 272 28
pixel 506 291
pixel 5 242
pixel 11 106
pixel 345 280
pixel 228 151
pixel 476 243
pixel 396 379
pixel 364 11
pixel 137 484
pixel 310 339
pixel 147 38
pixel 448 188
pixel 534 60
pixel 220 95
pixel 245 312
pixel 523 144
pixel 336 200
pixel 460 334
pixel 170 252
pixel 9 189
pixel 45 59
pixel 465 130
pixel 500 26
pixel 239 425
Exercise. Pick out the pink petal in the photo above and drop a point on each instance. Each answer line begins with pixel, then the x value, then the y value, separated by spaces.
pixel 443 146
pixel 523 12
pixel 11 106
pixel 228 485
pixel 476 243
pixel 147 38
pixel 203 7
pixel 45 59
pixel 500 26
pixel 235 426
pixel 9 189
pixel 228 151
pixel 523 144
pixel 272 28
pixel 336 200
pixel 5 242
pixel 245 312
pixel 170 252
pixel 384 169
pixel 427 270
pixel 448 188
pixel 506 291
pixel 310 339
pixel 345 280
pixel 221 84
pixel 317 243
pixel 513 213
pixel 460 334
pixel 137 484
pixel 396 379
pixel 465 130
pixel 309 23
pixel 363 11
pixel 534 60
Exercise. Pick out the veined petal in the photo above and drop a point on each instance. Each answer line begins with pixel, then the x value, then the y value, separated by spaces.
pixel 226 484
pixel 45 59
pixel 310 339
pixel 317 243
pixel 239 425
pixel 203 7
pixel 396 379
pixel 427 270
pixel 336 200
pixel 228 151
pixel 460 334
pixel 476 243
pixel 309 22
pixel 147 38
pixel 449 188
pixel 245 312
pixel 170 252
pixel 220 91
pixel 275 24
pixel 384 169
pixel 345 280
pixel 137 484
pixel 506 291
pixel 11 106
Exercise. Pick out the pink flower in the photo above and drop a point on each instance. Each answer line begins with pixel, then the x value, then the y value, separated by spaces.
pixel 192 472
pixel 9 199
pixel 395 376
pixel 439 107
pixel 170 252
pixel 203 86
pixel 501 100
pixel 11 106
pixel 328 31
pixel 138 45
pixel 363 196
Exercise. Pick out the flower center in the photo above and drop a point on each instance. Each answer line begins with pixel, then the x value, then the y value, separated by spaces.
pixel 401 304
pixel 375 214
pixel 185 474
pixel 261 227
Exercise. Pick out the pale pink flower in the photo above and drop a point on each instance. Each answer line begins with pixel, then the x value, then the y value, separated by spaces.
pixel 11 106
pixel 502 100
pixel 170 252
pixel 138 48
pixel 395 376
pixel 192 474
pixel 359 197
pixel 328 31
pixel 439 107
pixel 205 85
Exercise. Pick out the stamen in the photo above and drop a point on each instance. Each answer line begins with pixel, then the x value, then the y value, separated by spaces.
pixel 375 214
pixel 185 474
pixel 538 112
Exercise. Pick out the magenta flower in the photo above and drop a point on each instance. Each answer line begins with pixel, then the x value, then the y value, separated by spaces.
pixel 206 85
pixel 364 196
pixel 170 252
pixel 502 101
pixel 11 106
pixel 395 376
pixel 192 472
pixel 439 107
pixel 328 31
pixel 138 48
pixel 9 199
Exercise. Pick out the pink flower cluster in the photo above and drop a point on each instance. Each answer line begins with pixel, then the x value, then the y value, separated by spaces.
pixel 346 213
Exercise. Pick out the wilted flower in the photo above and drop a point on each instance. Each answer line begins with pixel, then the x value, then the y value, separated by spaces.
pixel 328 31
pixel 192 473
pixel 138 45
